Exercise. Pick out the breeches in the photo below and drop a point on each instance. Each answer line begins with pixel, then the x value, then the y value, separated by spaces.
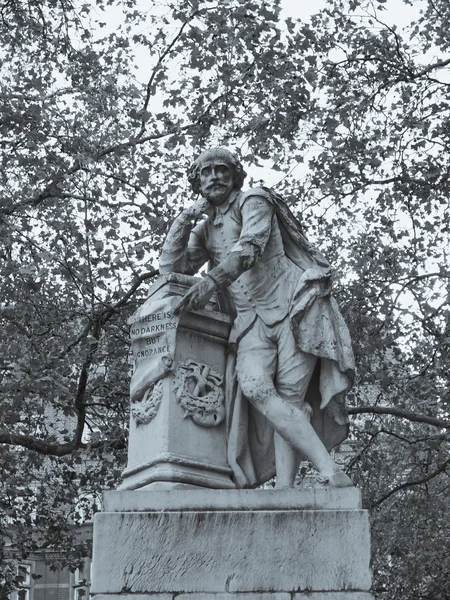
pixel 268 361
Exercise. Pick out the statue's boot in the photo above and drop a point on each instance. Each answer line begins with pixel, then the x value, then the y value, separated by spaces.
pixel 338 479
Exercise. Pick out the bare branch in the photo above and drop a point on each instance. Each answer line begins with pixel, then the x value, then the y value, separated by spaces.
pixel 399 412
pixel 51 190
pixel 161 59
pixel 79 400
pixel 49 449
pixel 414 482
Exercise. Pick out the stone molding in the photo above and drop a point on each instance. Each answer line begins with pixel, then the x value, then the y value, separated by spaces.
pixel 176 468
pixel 314 498
pixel 348 595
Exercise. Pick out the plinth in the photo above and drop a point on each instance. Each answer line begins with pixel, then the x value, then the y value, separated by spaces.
pixel 232 545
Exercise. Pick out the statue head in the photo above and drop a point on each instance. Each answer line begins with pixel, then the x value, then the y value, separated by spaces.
pixel 219 156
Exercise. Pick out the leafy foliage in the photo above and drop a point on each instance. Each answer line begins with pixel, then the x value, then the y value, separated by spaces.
pixel 350 110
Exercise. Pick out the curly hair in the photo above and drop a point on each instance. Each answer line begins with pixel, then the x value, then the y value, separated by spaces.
pixel 220 154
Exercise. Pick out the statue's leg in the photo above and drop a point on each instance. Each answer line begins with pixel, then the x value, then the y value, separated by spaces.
pixel 287 462
pixel 288 420
pixel 294 372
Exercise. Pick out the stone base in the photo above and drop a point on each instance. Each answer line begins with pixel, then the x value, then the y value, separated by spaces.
pixel 232 545
pixel 250 596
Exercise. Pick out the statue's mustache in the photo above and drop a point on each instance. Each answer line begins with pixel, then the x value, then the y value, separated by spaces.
pixel 213 185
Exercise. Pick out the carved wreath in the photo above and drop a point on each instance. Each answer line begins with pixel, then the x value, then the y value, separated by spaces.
pixel 198 390
pixel 145 410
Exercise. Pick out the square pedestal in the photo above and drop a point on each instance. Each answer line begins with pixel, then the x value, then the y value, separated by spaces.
pixel 174 447
pixel 232 545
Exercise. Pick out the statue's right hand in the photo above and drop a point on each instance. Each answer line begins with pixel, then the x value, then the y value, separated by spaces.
pixel 198 209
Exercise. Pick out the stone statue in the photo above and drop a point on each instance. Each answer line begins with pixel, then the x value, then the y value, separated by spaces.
pixel 291 351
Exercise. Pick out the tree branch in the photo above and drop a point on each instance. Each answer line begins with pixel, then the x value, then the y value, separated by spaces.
pixel 439 64
pixel 108 312
pixel 407 484
pixel 411 279
pixel 161 58
pixel 79 400
pixel 49 449
pixel 398 412
pixel 99 319
pixel 51 190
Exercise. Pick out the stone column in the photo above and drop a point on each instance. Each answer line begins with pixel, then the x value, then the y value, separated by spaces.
pixel 177 423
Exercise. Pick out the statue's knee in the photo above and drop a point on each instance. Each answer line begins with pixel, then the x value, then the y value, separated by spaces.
pixel 256 389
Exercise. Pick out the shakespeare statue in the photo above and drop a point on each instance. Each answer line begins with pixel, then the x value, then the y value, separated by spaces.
pixel 291 361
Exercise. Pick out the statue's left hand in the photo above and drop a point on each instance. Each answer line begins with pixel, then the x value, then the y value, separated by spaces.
pixel 197 297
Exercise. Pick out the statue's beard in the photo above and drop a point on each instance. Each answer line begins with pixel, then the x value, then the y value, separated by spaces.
pixel 216 193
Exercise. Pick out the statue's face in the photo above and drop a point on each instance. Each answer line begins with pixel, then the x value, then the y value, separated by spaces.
pixel 216 180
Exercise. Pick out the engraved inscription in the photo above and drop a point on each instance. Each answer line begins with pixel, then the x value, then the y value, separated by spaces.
pixel 149 334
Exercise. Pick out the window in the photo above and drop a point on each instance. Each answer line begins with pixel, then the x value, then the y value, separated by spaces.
pixel 24 581
pixel 80 586
pixel 24 574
